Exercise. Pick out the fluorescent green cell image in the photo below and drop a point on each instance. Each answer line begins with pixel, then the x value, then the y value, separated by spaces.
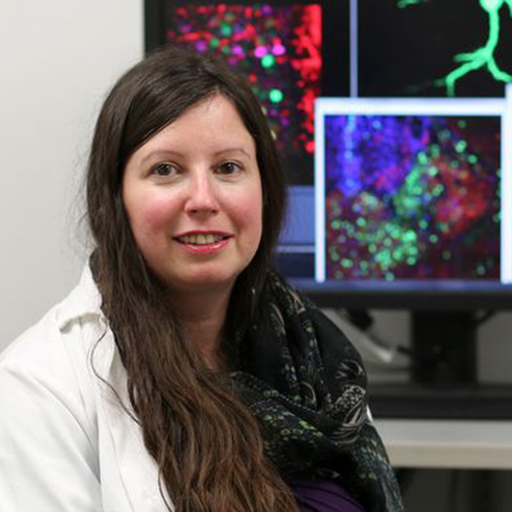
pixel 406 3
pixel 483 56
pixel 434 48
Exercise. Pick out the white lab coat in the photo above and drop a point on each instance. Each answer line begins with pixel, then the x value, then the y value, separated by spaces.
pixel 66 444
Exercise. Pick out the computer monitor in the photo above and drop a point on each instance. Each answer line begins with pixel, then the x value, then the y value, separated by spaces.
pixel 411 209
pixel 412 205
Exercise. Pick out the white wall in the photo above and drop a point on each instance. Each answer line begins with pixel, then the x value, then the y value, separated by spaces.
pixel 58 58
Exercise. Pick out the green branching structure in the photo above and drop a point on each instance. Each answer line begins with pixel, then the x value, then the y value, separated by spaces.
pixel 406 3
pixel 482 57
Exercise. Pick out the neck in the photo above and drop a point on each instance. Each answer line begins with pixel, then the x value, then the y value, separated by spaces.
pixel 202 316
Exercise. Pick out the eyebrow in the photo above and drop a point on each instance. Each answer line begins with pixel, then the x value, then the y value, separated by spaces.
pixel 233 150
pixel 161 153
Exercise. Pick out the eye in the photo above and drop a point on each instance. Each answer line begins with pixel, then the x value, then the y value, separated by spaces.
pixel 164 170
pixel 229 168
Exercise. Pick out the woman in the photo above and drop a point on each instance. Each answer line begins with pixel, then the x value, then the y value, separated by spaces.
pixel 181 374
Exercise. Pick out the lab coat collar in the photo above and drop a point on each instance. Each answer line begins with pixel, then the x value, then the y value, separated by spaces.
pixel 83 301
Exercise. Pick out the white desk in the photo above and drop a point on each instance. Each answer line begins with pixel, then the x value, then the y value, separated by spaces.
pixel 447 444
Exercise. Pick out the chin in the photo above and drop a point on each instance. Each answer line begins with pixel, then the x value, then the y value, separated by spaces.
pixel 204 281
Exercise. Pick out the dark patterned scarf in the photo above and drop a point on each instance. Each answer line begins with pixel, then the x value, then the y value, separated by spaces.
pixel 306 385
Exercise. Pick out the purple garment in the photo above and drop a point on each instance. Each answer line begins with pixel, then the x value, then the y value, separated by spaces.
pixel 323 496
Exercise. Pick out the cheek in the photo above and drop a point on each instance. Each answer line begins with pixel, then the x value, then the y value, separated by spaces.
pixel 250 214
pixel 149 219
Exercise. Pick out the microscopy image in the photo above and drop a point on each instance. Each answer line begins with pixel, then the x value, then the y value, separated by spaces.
pixel 456 48
pixel 412 197
pixel 279 49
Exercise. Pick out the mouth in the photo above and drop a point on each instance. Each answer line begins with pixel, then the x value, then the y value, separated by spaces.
pixel 201 238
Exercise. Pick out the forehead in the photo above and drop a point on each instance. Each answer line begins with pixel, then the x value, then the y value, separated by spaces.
pixel 210 124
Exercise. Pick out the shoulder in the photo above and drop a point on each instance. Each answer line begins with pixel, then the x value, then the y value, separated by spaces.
pixel 48 341
pixel 45 370
pixel 36 348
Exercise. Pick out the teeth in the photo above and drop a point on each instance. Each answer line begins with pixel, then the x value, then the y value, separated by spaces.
pixel 200 239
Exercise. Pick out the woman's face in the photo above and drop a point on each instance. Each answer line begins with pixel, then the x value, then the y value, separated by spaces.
pixel 194 200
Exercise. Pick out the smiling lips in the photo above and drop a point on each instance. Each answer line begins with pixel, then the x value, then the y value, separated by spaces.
pixel 203 242
pixel 201 238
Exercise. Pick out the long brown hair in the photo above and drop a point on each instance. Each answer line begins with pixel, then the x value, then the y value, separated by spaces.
pixel 206 442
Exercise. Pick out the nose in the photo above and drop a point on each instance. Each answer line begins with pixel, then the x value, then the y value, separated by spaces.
pixel 201 197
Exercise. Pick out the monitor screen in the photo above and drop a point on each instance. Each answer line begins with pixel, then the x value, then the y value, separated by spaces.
pixel 434 48
pixel 411 203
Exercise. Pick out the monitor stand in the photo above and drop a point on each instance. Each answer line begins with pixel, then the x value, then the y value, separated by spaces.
pixel 443 381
